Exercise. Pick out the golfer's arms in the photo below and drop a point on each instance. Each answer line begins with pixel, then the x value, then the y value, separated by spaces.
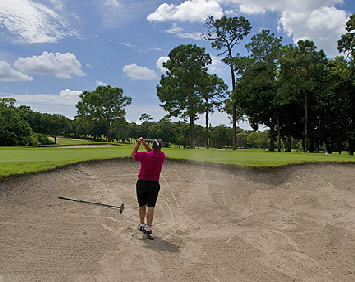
pixel 135 149
pixel 146 146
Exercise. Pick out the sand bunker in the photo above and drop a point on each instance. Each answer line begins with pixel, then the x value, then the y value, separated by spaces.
pixel 212 223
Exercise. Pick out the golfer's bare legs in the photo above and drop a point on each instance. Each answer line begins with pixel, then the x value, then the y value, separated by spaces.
pixel 142 213
pixel 150 214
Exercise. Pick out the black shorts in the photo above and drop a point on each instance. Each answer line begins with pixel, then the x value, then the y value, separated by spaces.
pixel 147 192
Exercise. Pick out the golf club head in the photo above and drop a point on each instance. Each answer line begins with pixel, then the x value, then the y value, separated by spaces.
pixel 122 208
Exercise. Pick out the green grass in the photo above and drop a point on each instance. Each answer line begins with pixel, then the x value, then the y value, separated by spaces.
pixel 24 160
pixel 17 161
pixel 257 158
pixel 70 142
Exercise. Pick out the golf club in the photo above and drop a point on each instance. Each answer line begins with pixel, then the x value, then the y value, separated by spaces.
pixel 121 207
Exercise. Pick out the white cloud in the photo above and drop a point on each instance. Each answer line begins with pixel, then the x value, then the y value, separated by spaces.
pixel 66 97
pixel 316 20
pixel 63 104
pixel 61 65
pixel 251 9
pixel 70 94
pixel 160 62
pixel 111 3
pixel 324 26
pixel 100 83
pixel 180 34
pixel 32 22
pixel 7 73
pixel 217 65
pixel 193 11
pixel 135 72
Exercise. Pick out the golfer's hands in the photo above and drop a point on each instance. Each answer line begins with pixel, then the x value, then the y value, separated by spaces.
pixel 140 140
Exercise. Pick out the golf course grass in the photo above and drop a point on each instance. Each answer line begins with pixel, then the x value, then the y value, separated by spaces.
pixel 24 160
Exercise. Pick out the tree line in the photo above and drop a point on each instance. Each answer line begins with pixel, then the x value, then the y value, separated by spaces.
pixel 21 126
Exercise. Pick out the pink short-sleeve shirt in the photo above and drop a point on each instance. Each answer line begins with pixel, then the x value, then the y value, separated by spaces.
pixel 151 164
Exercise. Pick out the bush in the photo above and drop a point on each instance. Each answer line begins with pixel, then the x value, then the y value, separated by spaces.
pixel 38 139
pixel 14 131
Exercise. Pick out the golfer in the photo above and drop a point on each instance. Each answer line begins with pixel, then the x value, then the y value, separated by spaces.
pixel 147 186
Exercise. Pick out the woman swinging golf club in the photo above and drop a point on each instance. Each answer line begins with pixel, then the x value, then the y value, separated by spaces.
pixel 147 186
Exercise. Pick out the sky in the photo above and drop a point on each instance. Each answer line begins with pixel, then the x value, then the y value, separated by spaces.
pixel 52 50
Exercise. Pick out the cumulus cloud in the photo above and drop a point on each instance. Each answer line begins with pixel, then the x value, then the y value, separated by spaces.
pixel 32 22
pixel 7 73
pixel 317 20
pixel 217 65
pixel 193 11
pixel 160 62
pixel 60 65
pixel 135 72
pixel 100 83
pixel 179 32
pixel 324 26
pixel 64 98
pixel 70 94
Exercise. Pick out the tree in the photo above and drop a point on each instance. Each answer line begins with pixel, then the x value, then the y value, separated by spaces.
pixel 179 89
pixel 55 125
pixel 164 129
pixel 225 33
pixel 347 45
pixel 213 93
pixel 34 119
pixel 14 131
pixel 347 42
pixel 145 118
pixel 257 83
pixel 221 137
pixel 302 75
pixel 7 102
pixel 104 104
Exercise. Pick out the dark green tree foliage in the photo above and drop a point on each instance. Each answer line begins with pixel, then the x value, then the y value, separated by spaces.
pixel 14 131
pixel 334 106
pixel 302 76
pixel 256 89
pixel 347 42
pixel 105 104
pixel 55 125
pixel 213 92
pixel 179 89
pixel 225 33
pixel 221 136
pixel 120 129
pixel 34 119
pixel 163 129
pixel 347 45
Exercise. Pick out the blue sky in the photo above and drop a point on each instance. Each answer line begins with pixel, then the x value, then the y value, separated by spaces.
pixel 52 50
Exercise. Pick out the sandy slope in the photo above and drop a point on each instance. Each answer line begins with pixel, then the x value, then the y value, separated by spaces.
pixel 212 223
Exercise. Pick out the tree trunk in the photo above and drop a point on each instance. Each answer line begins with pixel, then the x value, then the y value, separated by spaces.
pixel 207 130
pixel 305 122
pixel 192 133
pixel 272 138
pixel 109 131
pixel 234 114
pixel 234 128
pixel 278 136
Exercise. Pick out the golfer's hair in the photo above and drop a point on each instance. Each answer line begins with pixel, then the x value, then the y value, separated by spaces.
pixel 157 144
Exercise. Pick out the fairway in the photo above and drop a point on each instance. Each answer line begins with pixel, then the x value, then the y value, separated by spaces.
pixel 213 222
pixel 23 160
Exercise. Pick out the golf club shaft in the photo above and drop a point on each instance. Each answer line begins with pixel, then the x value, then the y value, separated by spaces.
pixel 100 204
